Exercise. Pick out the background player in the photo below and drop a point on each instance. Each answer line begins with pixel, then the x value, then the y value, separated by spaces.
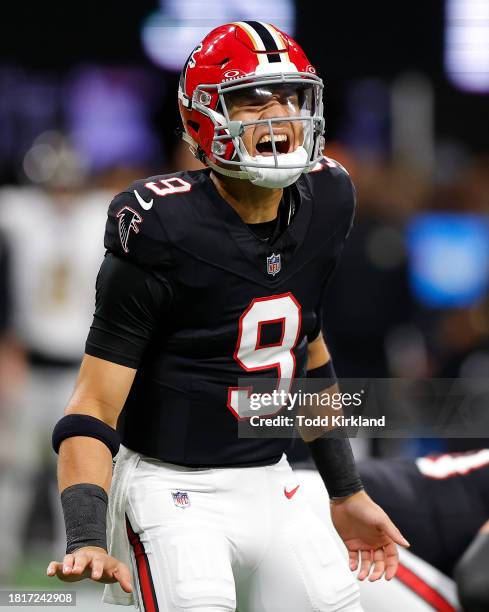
pixel 49 286
pixel 440 502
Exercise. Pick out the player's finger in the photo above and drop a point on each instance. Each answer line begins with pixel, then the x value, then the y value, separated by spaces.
pixel 378 566
pixel 391 560
pixel 68 561
pixel 366 556
pixel 353 558
pixel 393 532
pixel 123 577
pixel 53 567
pixel 97 569
pixel 81 562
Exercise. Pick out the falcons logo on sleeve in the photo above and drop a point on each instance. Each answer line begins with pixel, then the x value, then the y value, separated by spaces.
pixel 129 220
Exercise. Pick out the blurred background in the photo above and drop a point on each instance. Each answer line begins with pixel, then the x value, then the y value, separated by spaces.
pixel 88 103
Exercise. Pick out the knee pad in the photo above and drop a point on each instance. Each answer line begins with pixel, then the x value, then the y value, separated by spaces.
pixel 197 573
pixel 329 582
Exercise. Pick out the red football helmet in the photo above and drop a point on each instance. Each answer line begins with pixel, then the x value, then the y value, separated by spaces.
pixel 232 61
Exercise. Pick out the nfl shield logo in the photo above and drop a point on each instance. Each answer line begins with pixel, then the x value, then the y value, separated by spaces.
pixel 180 499
pixel 273 264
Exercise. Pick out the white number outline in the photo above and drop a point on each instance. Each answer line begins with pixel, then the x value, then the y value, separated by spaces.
pixel 169 189
pixel 269 366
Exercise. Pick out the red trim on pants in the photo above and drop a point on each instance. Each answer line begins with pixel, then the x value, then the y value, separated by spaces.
pixel 144 571
pixel 426 592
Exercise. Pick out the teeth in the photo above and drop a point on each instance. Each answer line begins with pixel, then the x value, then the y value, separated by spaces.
pixel 278 138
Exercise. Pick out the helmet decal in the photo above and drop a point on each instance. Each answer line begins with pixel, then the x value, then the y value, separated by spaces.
pixel 190 63
pixel 266 40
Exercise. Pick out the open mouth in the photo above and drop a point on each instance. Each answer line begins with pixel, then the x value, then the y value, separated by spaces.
pixel 264 145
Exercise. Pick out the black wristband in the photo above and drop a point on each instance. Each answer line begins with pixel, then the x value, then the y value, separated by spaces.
pixel 85 513
pixel 85 425
pixel 322 377
pixel 335 463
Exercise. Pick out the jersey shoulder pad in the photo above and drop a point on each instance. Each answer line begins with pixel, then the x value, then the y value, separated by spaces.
pixel 141 218
pixel 331 186
pixel 133 232
pixel 165 188
pixel 335 168
pixel 330 174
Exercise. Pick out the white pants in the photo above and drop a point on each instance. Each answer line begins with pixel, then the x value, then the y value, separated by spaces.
pixel 417 587
pixel 220 540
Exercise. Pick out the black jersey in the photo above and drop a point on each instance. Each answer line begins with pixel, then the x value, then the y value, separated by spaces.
pixel 438 502
pixel 196 301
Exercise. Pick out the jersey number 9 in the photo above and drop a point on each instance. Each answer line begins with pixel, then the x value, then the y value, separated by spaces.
pixel 253 356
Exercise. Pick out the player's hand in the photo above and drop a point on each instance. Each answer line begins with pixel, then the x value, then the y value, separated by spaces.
pixel 369 535
pixel 91 562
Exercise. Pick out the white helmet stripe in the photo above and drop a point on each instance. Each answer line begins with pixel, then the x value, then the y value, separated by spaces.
pixel 265 38
pixel 255 39
pixel 279 41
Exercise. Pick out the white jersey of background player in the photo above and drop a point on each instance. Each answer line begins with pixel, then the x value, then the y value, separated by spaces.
pixel 55 247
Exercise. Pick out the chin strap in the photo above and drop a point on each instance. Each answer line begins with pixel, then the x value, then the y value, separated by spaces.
pixel 193 145
pixel 241 174
pixel 199 154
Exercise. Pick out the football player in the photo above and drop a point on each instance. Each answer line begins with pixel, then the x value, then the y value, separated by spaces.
pixel 441 503
pixel 212 277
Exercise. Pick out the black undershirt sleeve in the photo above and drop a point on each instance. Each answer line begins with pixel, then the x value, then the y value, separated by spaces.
pixel 131 302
